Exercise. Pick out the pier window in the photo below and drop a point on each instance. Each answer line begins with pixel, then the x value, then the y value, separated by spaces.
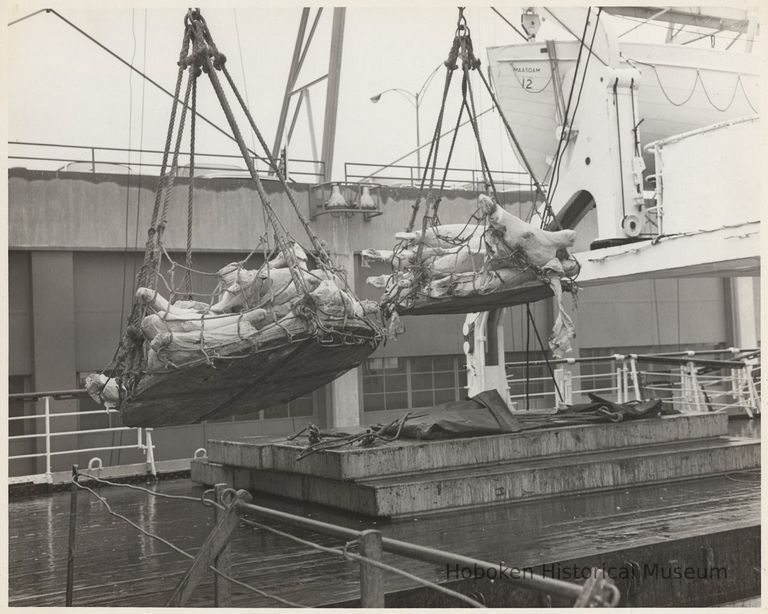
pixel 301 407
pixel 401 383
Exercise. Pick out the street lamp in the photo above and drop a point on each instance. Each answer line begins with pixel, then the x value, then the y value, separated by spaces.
pixel 415 98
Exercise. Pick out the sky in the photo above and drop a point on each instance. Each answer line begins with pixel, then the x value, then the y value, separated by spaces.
pixel 64 89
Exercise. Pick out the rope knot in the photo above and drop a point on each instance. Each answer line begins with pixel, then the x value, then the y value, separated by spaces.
pixel 453 54
pixel 350 544
pixel 368 439
pixel 313 434
pixel 219 59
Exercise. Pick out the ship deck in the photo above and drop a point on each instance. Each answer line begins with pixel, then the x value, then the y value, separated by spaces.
pixel 116 566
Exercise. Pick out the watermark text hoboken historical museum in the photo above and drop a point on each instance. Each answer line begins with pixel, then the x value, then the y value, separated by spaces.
pixel 658 571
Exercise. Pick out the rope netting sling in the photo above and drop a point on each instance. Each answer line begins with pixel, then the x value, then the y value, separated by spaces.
pixel 494 259
pixel 296 295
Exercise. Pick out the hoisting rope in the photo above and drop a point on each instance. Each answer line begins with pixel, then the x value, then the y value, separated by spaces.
pixel 532 324
pixel 190 194
pixel 324 258
pixel 548 216
pixel 462 48
pixel 129 359
pixel 430 190
pixel 152 244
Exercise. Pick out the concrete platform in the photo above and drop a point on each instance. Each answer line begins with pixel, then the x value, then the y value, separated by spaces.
pixel 403 456
pixel 407 478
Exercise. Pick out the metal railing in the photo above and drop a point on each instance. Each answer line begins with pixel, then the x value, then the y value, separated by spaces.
pixel 599 590
pixel 92 159
pixel 49 432
pixel 686 381
pixel 232 508
pixel 405 175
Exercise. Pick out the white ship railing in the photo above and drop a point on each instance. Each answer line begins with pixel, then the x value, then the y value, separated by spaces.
pixel 49 431
pixel 691 382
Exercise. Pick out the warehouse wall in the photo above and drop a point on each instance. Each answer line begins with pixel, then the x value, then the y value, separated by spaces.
pixel 19 313
pixel 87 211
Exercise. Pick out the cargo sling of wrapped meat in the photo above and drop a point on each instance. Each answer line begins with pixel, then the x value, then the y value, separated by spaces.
pixel 457 268
pixel 266 334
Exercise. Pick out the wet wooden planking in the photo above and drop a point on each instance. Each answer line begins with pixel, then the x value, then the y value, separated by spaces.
pixel 117 566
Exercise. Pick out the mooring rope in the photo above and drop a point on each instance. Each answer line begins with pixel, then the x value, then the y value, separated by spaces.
pixel 175 548
pixel 344 552
pixel 152 493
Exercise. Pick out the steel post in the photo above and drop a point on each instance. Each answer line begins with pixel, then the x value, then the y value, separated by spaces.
pixel 222 589
pixel 72 532
pixel 371 577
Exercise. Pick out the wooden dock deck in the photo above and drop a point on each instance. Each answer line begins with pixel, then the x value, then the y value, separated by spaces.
pixel 116 566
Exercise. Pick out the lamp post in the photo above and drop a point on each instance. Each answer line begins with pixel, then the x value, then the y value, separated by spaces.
pixel 415 99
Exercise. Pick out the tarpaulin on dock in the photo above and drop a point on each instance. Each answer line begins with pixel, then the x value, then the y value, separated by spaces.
pixel 483 414
pixel 487 414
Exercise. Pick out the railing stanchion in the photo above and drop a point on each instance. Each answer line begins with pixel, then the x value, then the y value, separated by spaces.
pixel 72 531
pixel 222 589
pixel 754 399
pixel 695 386
pixel 371 577
pixel 150 451
pixel 685 388
pixel 48 472
pixel 625 381
pixel 735 385
pixel 635 380
pixel 563 387
pixel 619 390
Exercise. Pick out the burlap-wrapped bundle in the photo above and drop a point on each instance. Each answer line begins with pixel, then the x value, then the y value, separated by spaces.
pixel 498 262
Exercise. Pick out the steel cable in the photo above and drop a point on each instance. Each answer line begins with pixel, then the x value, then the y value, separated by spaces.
pixel 363 559
pixel 183 553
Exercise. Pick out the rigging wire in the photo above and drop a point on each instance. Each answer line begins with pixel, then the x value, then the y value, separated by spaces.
pixel 543 350
pixel 591 52
pixel 115 434
pixel 558 159
pixel 242 69
pixel 126 63
pixel 510 24
pixel 344 552
pixel 547 216
pixel 141 151
pixel 183 553
pixel 128 179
